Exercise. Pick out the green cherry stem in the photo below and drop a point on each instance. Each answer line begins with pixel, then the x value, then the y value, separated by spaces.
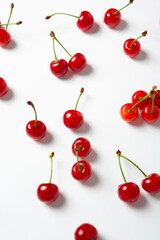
pixel 76 151
pixel 152 111
pixel 141 100
pixel 53 38
pixel 12 6
pixel 48 17
pixel 81 91
pixel 51 157
pixel 131 1
pixel 143 35
pixel 120 166
pixel 32 105
pixel 17 23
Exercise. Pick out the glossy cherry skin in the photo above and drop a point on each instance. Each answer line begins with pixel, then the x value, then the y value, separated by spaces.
pixel 128 192
pixel 157 99
pixel 151 184
pixel 112 19
pixel 59 68
pixel 131 51
pixel 148 116
pixel 85 21
pixel 36 132
pixel 86 231
pixel 86 147
pixel 84 174
pixel 5 37
pixel 47 192
pixel 137 96
pixel 128 116
pixel 73 119
pixel 3 87
pixel 77 62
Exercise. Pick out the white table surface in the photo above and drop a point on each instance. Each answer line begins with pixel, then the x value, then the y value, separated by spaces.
pixel 109 81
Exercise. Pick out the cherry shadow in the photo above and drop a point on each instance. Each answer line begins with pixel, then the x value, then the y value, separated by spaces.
pixel 94 29
pixel 92 156
pixel 86 71
pixel 92 181
pixel 8 96
pixel 11 45
pixel 121 26
pixel 60 201
pixel 138 122
pixel 83 129
pixel 140 203
pixel 155 195
pixel 48 138
pixel 141 56
pixel 68 75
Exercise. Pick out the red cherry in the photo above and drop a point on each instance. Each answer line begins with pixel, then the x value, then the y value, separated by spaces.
pixel 151 183
pixel 126 114
pixel 59 68
pixel 112 19
pixel 128 192
pixel 3 87
pixel 85 21
pixel 77 62
pixel 84 145
pixel 82 173
pixel 131 51
pixel 35 128
pixel 148 115
pixel 137 96
pixel 5 37
pixel 86 231
pixel 157 98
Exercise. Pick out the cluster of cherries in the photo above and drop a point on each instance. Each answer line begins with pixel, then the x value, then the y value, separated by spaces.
pixel 129 192
pixel 147 104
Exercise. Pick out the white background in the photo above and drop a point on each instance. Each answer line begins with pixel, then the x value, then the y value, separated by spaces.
pixel 109 81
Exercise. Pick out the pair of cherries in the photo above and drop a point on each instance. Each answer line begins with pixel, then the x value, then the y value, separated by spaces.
pixel 129 192
pixel 59 67
pixel 147 103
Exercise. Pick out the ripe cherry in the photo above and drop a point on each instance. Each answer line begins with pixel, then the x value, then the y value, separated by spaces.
pixel 156 96
pixel 86 231
pixel 84 147
pixel 128 112
pixel 73 119
pixel 3 87
pixel 81 170
pixel 85 20
pixel 132 46
pixel 150 113
pixel 35 128
pixel 113 16
pixel 138 95
pixel 48 192
pixel 151 183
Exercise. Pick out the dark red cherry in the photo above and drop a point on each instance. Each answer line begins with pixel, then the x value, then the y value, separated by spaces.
pixel 112 19
pixel 77 62
pixel 82 173
pixel 126 114
pixel 3 87
pixel 85 21
pixel 84 145
pixel 138 95
pixel 157 98
pixel 86 231
pixel 150 115
pixel 151 183
pixel 59 68
pixel 128 192
pixel 47 192
pixel 5 37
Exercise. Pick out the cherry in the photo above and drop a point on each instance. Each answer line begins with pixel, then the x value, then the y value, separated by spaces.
pixel 85 20
pixel 35 128
pixel 72 118
pixel 132 47
pixel 150 113
pixel 58 67
pixel 138 95
pixel 156 96
pixel 77 62
pixel 5 37
pixel 86 231
pixel 128 112
pixel 48 192
pixel 84 145
pixel 113 16
pixel 3 87
pixel 81 170
pixel 151 183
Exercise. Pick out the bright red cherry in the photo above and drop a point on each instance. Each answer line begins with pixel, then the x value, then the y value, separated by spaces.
pixel 113 16
pixel 150 113
pixel 72 118
pixel 5 37
pixel 35 128
pixel 151 183
pixel 84 145
pixel 157 98
pixel 77 62
pixel 3 87
pixel 128 112
pixel 132 47
pixel 138 96
pixel 86 231
pixel 48 192
pixel 128 192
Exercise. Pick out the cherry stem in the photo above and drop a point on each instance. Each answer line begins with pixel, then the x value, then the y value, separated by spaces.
pixel 143 35
pixel 141 100
pixel 120 166
pixel 81 91
pixel 12 6
pixel 123 7
pixel 76 151
pixel 17 23
pixel 152 111
pixel 48 17
pixel 51 157
pixel 32 105
pixel 56 60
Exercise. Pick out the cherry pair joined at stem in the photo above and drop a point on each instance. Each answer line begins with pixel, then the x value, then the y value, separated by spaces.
pixel 85 20
pixel 48 192
pixel 3 87
pixel 86 231
pixel 60 67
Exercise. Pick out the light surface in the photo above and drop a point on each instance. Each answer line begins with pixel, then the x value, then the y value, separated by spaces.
pixel 109 81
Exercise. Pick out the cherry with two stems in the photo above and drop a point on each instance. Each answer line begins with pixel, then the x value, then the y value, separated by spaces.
pixel 81 170
pixel 85 20
pixel 3 87
pixel 86 231
pixel 35 128
pixel 48 192
pixel 84 147
pixel 113 16
pixel 132 46
pixel 151 183
pixel 128 192
pixel 73 119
